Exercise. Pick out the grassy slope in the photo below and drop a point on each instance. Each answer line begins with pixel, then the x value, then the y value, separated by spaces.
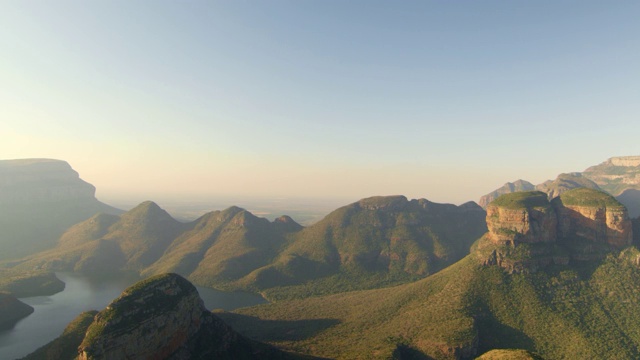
pixel 565 313
pixel 589 197
pixel 375 242
pixel 522 200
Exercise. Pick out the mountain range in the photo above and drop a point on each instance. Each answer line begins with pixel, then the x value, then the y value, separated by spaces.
pixel 618 176
pixel 549 271
pixel 374 242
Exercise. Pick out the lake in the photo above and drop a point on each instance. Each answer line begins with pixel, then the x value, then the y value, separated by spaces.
pixel 82 293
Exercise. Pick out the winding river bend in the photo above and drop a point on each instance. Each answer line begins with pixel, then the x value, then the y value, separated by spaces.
pixel 82 293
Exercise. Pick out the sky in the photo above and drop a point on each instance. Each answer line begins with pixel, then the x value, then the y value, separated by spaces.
pixel 443 100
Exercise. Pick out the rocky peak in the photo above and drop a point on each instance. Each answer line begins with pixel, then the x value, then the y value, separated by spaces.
pixel 565 182
pixel 287 224
pixel 510 187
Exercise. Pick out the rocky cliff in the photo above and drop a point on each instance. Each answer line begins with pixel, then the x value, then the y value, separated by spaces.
pixel 527 232
pixel 617 174
pixel 510 187
pixel 163 317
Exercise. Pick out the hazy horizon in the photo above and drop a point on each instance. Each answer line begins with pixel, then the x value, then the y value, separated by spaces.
pixel 318 100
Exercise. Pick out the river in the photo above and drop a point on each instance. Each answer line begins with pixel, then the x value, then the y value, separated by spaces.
pixel 82 293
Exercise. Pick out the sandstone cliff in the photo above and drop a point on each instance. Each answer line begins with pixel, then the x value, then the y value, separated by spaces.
pixel 163 317
pixel 527 232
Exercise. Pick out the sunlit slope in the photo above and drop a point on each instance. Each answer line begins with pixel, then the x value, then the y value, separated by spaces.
pixel 466 310
pixel 373 242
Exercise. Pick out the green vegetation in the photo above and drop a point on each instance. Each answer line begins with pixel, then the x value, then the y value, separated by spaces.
pixel 30 283
pixel 66 345
pixel 588 311
pixel 522 200
pixel 590 198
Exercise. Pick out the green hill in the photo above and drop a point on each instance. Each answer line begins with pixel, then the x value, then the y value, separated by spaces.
pixel 467 309
pixel 375 242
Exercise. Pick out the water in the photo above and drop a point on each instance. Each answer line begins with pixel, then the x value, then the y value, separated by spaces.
pixel 53 313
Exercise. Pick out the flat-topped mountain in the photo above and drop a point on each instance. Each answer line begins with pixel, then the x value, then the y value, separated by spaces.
pixel 618 176
pixel 162 317
pixel 39 199
pixel 556 278
pixel 527 232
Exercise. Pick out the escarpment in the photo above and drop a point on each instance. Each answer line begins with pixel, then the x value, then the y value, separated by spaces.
pixel 527 232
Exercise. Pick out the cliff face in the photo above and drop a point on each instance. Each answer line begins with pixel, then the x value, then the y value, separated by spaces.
pixel 163 317
pixel 617 174
pixel 597 224
pixel 521 225
pixel 526 232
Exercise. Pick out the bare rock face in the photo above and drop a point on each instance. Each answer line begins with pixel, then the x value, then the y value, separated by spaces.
pixel 528 219
pixel 510 187
pixel 601 219
pixel 163 317
pixel 527 232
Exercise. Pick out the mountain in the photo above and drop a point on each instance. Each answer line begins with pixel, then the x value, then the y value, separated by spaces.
pixel 39 200
pixel 371 243
pixel 565 182
pixel 374 242
pixel 619 176
pixel 518 185
pixel 12 310
pixel 565 286
pixel 616 174
pixel 162 317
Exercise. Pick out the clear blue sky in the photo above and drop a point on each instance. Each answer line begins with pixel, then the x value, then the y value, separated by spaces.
pixel 445 100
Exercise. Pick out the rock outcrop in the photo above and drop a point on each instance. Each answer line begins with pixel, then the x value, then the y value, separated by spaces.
pixel 510 187
pixel 163 317
pixel 527 232
pixel 616 175
pixel 12 310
